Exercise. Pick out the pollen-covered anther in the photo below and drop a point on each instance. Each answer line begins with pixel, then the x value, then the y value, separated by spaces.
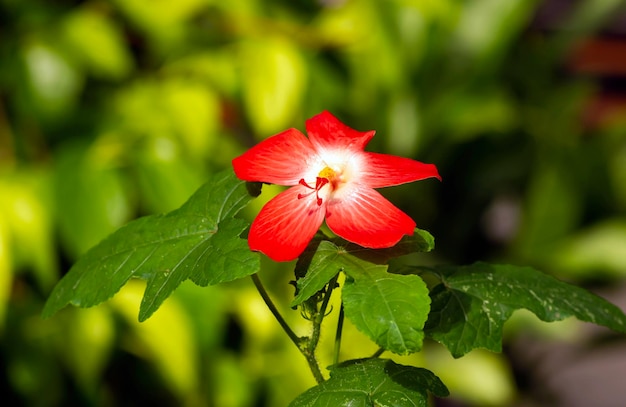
pixel 334 177
pixel 327 173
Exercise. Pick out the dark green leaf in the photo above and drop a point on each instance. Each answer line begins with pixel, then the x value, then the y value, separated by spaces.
pixel 199 241
pixel 391 309
pixel 323 260
pixel 420 241
pixel 471 305
pixel 373 382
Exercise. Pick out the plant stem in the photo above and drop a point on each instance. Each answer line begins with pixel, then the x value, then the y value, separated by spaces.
pixel 313 365
pixel 268 301
pixel 319 316
pixel 304 347
pixel 338 336
pixel 309 349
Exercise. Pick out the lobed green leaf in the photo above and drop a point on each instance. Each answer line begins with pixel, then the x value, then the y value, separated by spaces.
pixel 471 305
pixel 199 241
pixel 391 309
pixel 373 382
pixel 322 260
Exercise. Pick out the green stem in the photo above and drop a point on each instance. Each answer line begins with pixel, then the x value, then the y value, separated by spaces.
pixel 309 349
pixel 379 352
pixel 268 301
pixel 338 336
pixel 303 346
pixel 313 365
pixel 319 316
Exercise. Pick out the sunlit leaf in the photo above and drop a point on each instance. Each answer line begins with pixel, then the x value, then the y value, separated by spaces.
pixel 473 302
pixel 98 43
pixel 214 66
pixel 166 340
pixel 162 23
pixel 27 222
pixel 480 378
pixel 90 196
pixel 593 252
pixel 183 110
pixel 53 80
pixel 93 329
pixel 6 274
pixel 373 382
pixel 199 241
pixel 274 76
pixel 194 111
pixel 165 179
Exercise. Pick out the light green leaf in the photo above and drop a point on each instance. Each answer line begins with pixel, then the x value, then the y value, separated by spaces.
pixel 471 305
pixel 165 181
pixel 98 43
pixel 90 196
pixel 373 382
pixel 27 232
pixel 274 76
pixel 391 309
pixel 597 251
pixel 53 81
pixel 199 241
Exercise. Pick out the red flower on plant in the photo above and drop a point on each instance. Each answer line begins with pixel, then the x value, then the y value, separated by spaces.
pixel 332 178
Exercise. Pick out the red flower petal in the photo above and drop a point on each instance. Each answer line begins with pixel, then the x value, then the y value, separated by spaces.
pixel 281 159
pixel 286 224
pixel 327 133
pixel 383 170
pixel 365 217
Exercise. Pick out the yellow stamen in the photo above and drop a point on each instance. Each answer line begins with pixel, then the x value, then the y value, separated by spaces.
pixel 327 173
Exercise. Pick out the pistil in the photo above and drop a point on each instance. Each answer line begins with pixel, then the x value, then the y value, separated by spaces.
pixel 319 183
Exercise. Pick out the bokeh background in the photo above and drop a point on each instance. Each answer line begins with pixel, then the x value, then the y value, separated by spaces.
pixel 110 110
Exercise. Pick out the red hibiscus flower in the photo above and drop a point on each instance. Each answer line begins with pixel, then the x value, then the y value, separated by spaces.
pixel 332 178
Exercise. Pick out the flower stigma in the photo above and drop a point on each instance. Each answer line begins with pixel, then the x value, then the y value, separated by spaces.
pixel 325 176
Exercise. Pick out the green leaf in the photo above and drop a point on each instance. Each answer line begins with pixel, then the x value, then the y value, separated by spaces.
pixel 322 260
pixel 319 263
pixel 373 382
pixel 391 309
pixel 471 305
pixel 199 241
pixel 420 241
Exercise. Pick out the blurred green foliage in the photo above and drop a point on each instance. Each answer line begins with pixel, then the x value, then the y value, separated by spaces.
pixel 114 109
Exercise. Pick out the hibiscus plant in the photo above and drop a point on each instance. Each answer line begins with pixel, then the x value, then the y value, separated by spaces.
pixel 359 253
